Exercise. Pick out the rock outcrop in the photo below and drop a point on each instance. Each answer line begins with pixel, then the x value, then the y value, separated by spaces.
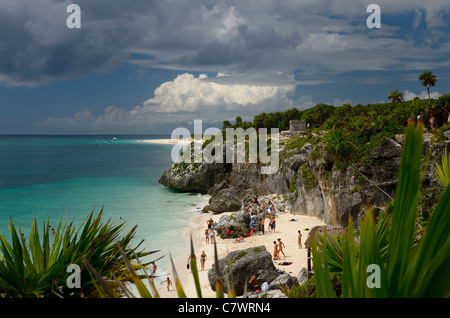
pixel 194 177
pixel 283 281
pixel 241 265
pixel 233 226
pixel 308 180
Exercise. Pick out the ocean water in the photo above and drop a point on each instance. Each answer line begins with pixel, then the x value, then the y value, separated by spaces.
pixel 67 177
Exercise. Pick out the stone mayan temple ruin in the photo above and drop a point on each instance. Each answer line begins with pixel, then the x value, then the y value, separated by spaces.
pixel 296 127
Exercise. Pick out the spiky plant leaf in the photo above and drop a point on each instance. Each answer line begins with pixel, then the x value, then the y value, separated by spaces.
pixel 324 287
pixel 194 270
pixel 178 286
pixel 219 284
pixel 443 169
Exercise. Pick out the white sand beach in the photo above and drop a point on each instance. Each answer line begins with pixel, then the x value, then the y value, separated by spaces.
pixel 173 141
pixel 287 230
pixel 166 141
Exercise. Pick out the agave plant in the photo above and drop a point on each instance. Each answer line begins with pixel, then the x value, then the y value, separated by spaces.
pixel 443 170
pixel 338 144
pixel 39 268
pixel 407 267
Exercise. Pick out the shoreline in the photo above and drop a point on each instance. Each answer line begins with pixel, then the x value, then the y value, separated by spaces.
pixel 288 225
pixel 166 141
pixel 169 141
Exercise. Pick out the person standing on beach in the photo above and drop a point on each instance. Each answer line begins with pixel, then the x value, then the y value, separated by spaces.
pixel 280 247
pixel 273 224
pixel 299 239
pixel 262 224
pixel 154 269
pixel 169 282
pixel 207 236
pixel 188 265
pixel 252 227
pixel 275 251
pixel 203 258
pixel 210 223
pixel 211 236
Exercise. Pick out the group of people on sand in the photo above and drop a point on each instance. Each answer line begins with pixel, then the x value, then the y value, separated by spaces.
pixel 277 249
pixel 209 231
pixel 257 214
pixel 203 259
pixel 254 208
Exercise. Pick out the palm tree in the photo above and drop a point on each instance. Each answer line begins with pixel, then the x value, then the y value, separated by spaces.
pixel 395 96
pixel 428 79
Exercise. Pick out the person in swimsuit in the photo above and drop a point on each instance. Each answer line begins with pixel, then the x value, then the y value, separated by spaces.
pixel 203 258
pixel 273 224
pixel 299 239
pixel 280 247
pixel 154 269
pixel 168 281
pixel 252 227
pixel 275 251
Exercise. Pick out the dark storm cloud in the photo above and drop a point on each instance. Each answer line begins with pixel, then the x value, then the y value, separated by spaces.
pixel 263 38
pixel 37 46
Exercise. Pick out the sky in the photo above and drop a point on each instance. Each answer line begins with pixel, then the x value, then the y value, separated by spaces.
pixel 148 67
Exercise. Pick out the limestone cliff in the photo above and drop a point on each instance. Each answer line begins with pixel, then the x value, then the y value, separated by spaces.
pixel 308 180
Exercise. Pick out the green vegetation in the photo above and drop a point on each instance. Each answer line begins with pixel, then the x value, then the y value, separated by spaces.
pixel 39 268
pixel 350 132
pixel 257 249
pixel 308 177
pixel 395 97
pixel 428 79
pixel 443 170
pixel 412 262
pixel 338 144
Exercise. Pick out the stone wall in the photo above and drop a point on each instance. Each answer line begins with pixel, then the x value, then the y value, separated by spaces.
pixel 297 125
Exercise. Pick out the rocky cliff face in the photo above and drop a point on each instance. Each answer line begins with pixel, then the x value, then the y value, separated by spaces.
pixel 308 181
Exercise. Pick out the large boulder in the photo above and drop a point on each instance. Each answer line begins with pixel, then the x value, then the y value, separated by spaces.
pixel 283 280
pixel 302 276
pixel 233 226
pixel 241 265
pixel 226 200
pixel 238 224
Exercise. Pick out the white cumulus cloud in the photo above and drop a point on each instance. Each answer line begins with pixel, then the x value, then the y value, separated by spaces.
pixel 189 93
pixel 180 101
pixel 407 95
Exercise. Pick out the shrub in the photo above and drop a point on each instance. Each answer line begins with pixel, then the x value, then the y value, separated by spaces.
pixel 41 269
pixel 337 143
pixel 409 266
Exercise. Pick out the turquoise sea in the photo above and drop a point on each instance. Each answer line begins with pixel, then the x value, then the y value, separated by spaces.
pixel 66 177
